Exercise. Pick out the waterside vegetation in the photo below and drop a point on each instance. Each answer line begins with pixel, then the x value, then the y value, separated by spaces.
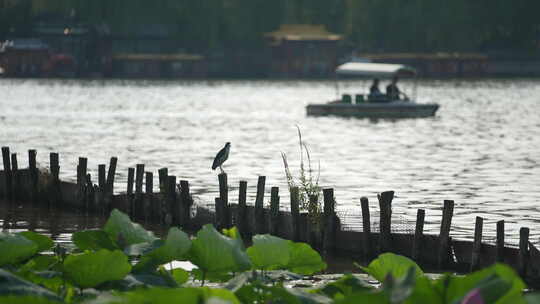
pixel 124 263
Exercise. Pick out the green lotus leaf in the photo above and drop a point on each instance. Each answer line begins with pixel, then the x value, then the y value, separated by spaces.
pixel 269 252
pixel 93 240
pixel 175 247
pixel 93 268
pixel 456 287
pixel 15 248
pixel 16 290
pixel 124 232
pixel 39 263
pixel 43 242
pixel 304 260
pixel 180 275
pixel 189 295
pixel 389 263
pixel 213 252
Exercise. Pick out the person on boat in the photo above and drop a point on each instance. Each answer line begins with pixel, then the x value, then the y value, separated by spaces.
pixel 392 90
pixel 374 89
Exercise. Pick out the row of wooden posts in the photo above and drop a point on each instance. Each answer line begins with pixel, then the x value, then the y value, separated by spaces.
pixel 173 203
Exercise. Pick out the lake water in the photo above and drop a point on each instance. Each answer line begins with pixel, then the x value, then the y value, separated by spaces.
pixel 482 149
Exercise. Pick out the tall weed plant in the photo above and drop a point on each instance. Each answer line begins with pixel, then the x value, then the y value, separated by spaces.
pixel 307 183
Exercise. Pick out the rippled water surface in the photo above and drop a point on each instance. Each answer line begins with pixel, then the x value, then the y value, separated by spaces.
pixel 482 149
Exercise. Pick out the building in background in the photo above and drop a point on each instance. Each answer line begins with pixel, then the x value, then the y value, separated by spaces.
pixel 29 57
pixel 302 50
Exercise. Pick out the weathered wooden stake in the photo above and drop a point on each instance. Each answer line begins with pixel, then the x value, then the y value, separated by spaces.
pixel 295 213
pixel 148 202
pixel 34 176
pixel 259 203
pixel 138 202
pixel 110 175
pixel 477 244
pixel 171 199
pixel 500 241
pixel 523 255
pixel 109 188
pixel 89 193
pixel 163 173
pixel 130 181
pixel 16 181
pixel 330 223
pixel 100 193
pixel 54 163
pixel 366 227
pixel 444 235
pixel 242 209
pixel 7 172
pixel 385 221
pixel 274 211
pixel 224 197
pixel 185 204
pixel 418 235
pixel 101 177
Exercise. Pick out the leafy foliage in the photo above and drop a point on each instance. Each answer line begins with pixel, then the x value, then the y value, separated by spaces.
pixel 40 278
pixel 93 268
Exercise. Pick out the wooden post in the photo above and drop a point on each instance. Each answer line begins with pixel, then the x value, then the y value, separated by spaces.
pixel 259 205
pixel 16 181
pixel 7 172
pixel 314 237
pixel 295 213
pixel 110 176
pixel 220 214
pixel 89 192
pixel 130 181
pixel 54 163
pixel 138 202
pixel 163 173
pixel 242 208
pixel 523 255
pixel 224 197
pixel 34 176
pixel 171 199
pixel 185 204
pixel 477 244
pixel 274 211
pixel 500 241
pixel 444 235
pixel 329 233
pixel 366 225
pixel 385 222
pixel 102 182
pixel 148 202
pixel 101 177
pixel 418 235
pixel 109 185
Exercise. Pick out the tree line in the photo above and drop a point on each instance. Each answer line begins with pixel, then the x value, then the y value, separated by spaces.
pixel 367 25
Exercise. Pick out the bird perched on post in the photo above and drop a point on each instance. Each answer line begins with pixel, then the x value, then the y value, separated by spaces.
pixel 221 157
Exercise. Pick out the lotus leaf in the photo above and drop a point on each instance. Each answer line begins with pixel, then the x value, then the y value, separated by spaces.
pixel 15 248
pixel 174 248
pixel 93 268
pixel 124 232
pixel 269 252
pixel 389 263
pixel 93 240
pixel 456 287
pixel 43 242
pixel 213 252
pixel 16 290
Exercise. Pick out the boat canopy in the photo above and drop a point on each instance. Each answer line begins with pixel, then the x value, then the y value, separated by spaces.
pixel 369 69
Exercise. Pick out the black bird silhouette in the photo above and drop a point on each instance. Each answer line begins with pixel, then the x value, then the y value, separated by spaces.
pixel 221 157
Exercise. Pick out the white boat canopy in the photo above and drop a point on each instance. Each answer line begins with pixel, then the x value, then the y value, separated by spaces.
pixel 381 70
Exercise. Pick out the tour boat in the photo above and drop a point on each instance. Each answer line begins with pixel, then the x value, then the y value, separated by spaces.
pixel 373 106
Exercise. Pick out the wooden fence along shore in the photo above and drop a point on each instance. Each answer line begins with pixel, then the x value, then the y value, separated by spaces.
pixel 172 205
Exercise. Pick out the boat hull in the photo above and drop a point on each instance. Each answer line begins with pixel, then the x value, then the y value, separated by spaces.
pixel 374 110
